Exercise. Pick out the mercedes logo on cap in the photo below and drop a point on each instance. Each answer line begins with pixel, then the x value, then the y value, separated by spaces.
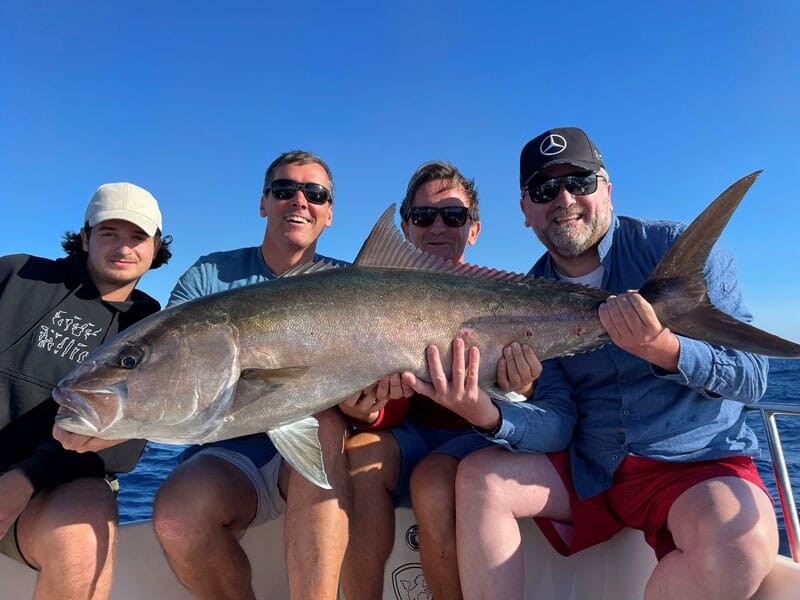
pixel 553 144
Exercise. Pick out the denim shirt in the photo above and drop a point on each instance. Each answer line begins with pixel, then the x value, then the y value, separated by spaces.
pixel 606 404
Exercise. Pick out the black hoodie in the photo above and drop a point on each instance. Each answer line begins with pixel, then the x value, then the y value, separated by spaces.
pixel 51 317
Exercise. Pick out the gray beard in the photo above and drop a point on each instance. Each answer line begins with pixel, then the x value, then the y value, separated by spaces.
pixel 571 243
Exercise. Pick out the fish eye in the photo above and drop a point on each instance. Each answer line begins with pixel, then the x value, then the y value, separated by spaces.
pixel 129 358
pixel 128 361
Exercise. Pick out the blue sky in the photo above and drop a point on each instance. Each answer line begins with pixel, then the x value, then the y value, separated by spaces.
pixel 194 100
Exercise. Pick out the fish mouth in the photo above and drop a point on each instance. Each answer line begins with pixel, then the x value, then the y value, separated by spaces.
pixel 75 423
pixel 89 411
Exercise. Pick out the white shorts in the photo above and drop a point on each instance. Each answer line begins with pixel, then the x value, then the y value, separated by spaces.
pixel 265 481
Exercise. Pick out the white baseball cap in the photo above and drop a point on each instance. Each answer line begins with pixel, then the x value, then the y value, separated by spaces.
pixel 127 202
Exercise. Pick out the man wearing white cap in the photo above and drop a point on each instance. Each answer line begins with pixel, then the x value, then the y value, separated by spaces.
pixel 58 511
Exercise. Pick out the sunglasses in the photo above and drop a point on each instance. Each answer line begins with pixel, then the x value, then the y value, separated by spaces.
pixel 452 216
pixel 285 189
pixel 577 185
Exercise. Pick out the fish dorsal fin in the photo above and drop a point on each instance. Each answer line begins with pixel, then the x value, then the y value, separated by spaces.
pixel 311 267
pixel 385 247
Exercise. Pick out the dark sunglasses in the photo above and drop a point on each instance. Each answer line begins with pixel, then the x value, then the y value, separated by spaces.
pixel 285 189
pixel 577 185
pixel 452 216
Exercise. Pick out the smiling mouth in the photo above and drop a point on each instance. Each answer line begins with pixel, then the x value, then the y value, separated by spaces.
pixel 297 219
pixel 562 219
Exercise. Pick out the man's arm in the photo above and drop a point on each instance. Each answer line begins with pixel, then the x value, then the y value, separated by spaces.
pixel 712 370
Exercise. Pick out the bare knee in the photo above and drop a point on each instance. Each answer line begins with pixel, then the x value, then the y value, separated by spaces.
pixel 727 531
pixel 471 479
pixel 746 559
pixel 203 495
pixel 72 527
pixel 433 487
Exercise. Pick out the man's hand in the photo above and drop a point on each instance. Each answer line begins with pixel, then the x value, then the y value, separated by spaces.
pixel 518 369
pixel 16 491
pixel 461 393
pixel 81 443
pixel 633 325
pixel 365 406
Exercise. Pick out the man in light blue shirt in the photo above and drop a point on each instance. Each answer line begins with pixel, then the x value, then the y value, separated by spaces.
pixel 646 432
pixel 222 488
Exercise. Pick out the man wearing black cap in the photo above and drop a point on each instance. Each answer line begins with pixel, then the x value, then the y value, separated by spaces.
pixel 58 513
pixel 647 432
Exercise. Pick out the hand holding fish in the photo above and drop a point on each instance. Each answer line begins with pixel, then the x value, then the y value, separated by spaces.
pixel 632 325
pixel 366 404
pixel 461 393
pixel 518 369
pixel 81 443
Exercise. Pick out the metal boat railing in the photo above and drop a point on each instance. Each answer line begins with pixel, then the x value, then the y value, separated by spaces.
pixel 769 410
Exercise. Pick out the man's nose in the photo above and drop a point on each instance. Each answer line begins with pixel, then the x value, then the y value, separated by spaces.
pixel 563 196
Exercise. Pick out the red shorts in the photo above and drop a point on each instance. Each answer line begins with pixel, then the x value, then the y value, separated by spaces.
pixel 640 497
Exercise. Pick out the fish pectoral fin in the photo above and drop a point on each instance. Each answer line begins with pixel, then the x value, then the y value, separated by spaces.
pixel 255 384
pixel 299 445
pixel 274 377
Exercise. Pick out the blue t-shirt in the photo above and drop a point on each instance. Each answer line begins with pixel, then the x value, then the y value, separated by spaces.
pixel 608 403
pixel 226 270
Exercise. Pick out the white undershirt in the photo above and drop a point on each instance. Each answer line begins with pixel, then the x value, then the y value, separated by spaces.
pixel 592 279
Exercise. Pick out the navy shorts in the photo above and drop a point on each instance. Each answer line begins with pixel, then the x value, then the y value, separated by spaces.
pixel 416 441
pixel 256 447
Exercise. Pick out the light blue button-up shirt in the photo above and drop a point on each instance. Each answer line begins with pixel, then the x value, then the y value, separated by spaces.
pixel 606 404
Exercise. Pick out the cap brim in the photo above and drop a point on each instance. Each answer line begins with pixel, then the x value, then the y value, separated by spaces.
pixel 141 221
pixel 589 166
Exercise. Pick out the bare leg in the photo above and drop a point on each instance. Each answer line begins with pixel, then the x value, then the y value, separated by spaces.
pixel 199 515
pixel 494 488
pixel 374 458
pixel 68 533
pixel 433 496
pixel 317 520
pixel 727 539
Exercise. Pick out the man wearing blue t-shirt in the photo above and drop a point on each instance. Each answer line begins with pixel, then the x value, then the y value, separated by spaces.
pixel 222 488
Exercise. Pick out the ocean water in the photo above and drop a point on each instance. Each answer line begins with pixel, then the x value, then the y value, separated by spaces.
pixel 138 487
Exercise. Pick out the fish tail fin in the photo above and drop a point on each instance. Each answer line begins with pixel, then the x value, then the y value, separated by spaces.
pixel 678 292
pixel 715 327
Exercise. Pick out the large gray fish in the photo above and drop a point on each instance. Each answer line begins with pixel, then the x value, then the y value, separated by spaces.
pixel 267 356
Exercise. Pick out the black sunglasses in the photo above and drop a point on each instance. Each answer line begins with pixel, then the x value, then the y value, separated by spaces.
pixel 577 185
pixel 452 216
pixel 285 189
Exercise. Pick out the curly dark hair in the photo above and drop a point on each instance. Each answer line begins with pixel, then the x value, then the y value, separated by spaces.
pixel 73 246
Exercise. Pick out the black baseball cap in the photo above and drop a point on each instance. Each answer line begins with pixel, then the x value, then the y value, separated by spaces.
pixel 560 146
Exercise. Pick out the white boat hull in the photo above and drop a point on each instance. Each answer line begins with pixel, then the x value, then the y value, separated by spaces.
pixel 616 570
